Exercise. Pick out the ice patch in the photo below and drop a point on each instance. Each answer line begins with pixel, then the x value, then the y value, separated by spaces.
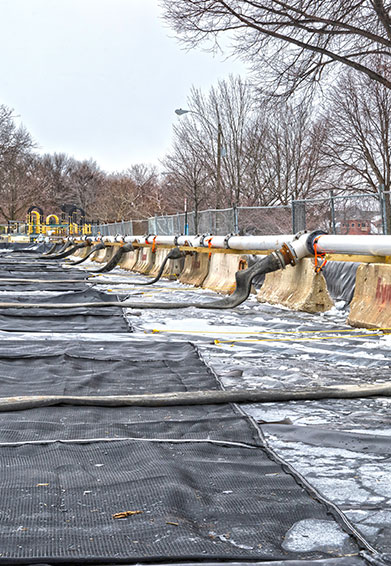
pixel 310 534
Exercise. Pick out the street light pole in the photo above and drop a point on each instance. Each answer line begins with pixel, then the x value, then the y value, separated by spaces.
pixel 180 112
pixel 218 172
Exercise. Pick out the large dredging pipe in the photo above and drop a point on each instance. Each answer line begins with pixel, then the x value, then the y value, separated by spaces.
pixel 288 254
pixel 373 245
pixel 109 266
pixel 61 249
pixel 69 251
pixel 355 245
pixel 53 248
pixel 99 246
pixel 262 243
pixel 175 253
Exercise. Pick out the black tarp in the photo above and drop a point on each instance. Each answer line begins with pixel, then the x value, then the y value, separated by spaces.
pixel 203 482
pixel 76 319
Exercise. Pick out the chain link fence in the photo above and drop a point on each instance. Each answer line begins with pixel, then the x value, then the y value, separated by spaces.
pixel 335 214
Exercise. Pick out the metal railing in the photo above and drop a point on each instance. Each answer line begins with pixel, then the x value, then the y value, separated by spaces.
pixel 336 214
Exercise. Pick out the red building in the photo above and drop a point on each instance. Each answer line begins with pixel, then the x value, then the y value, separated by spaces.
pixel 356 227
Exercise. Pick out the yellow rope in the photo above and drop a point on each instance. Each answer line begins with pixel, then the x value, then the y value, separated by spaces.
pixel 293 339
pixel 375 332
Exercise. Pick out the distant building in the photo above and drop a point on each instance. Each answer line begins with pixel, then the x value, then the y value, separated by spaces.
pixel 356 227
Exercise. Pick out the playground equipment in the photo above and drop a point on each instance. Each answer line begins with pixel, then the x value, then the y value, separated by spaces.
pixel 71 223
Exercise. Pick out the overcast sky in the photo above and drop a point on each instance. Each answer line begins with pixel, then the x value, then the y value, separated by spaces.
pixel 99 78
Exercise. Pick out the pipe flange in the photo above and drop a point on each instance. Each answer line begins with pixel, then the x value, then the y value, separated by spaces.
pixel 176 239
pixel 286 255
pixel 299 234
pixel 202 239
pixel 226 240
pixel 311 239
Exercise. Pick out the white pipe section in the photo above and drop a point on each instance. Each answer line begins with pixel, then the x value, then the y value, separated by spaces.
pixel 347 244
pixel 360 245
pixel 233 242
pixel 251 242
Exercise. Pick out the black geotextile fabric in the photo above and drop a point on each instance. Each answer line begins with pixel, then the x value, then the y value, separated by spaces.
pixel 58 287
pixel 197 495
pixel 341 279
pixel 52 272
pixel 37 267
pixel 22 247
pixel 74 319
pixel 101 368
pixel 195 500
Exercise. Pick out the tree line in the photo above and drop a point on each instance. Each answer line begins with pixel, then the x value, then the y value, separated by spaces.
pixel 51 180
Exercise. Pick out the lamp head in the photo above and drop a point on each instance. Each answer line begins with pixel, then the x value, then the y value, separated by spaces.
pixel 180 111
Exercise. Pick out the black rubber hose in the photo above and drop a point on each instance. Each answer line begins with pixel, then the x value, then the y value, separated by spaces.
pixel 68 251
pixel 61 249
pixel 208 397
pixel 115 259
pixel 243 287
pixel 175 253
pixel 51 249
pixel 96 248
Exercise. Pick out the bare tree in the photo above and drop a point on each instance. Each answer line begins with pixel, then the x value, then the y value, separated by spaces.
pixel 285 151
pixel 56 171
pixel 186 175
pixel 132 194
pixel 359 150
pixel 215 129
pixel 16 162
pixel 292 41
pixel 86 181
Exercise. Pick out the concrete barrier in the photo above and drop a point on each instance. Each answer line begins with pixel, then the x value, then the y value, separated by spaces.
pixel 83 252
pixel 298 288
pixel 103 256
pixel 129 260
pixel 173 266
pixel 195 269
pixel 145 260
pixel 160 255
pixel 77 253
pixel 80 253
pixel 371 304
pixel 222 269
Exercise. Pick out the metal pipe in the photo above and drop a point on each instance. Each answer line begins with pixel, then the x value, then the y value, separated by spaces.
pixel 358 245
pixel 234 242
pixel 375 245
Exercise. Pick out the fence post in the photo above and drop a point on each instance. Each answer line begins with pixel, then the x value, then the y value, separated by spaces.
pixel 332 212
pixel 383 208
pixel 298 216
pixel 236 218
